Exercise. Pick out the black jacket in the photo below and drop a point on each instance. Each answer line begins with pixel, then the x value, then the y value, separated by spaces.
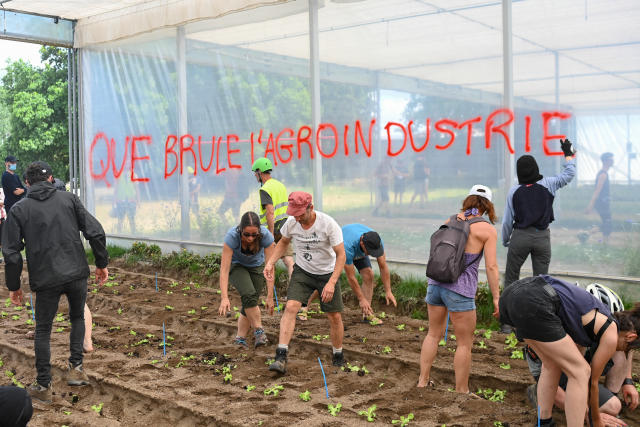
pixel 48 222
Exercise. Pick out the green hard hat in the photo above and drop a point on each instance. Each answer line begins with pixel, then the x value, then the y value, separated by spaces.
pixel 262 165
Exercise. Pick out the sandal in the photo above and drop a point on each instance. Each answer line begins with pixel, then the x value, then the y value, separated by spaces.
pixel 302 314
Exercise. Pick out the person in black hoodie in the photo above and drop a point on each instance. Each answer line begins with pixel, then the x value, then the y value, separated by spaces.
pixel 48 224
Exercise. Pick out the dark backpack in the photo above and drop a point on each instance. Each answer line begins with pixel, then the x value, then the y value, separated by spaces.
pixel 446 255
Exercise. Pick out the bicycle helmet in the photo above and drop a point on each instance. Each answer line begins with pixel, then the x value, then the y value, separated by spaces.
pixel 607 296
pixel 262 165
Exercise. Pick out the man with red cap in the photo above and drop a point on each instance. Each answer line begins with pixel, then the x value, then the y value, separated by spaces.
pixel 320 258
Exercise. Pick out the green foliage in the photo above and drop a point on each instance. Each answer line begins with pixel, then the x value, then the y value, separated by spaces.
pixel 274 390
pixel 306 396
pixel 492 395
pixel 517 354
pixel 97 408
pixel 33 120
pixel 370 413
pixel 334 410
pixel 403 421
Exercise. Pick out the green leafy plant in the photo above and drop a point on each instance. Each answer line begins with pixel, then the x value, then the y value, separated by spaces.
pixel 192 311
pixel 250 387
pixel 370 413
pixel 203 308
pixel 60 329
pixel 403 421
pixel 114 328
pixel 505 366
pixel 274 390
pixel 306 396
pixel 382 315
pixel 421 328
pixel 511 341
pixel 517 354
pixel 334 410
pixel 119 310
pixel 97 408
pixel 492 395
pixel 481 344
pixel 386 349
pixel 487 334
pixel 132 332
pixel 320 337
pixel 400 327
pixel 168 308
pixel 442 343
pixel 227 378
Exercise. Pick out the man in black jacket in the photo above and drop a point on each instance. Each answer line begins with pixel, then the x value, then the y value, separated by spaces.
pixel 48 223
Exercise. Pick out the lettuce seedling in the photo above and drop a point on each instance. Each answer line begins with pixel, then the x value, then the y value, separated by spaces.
pixel 400 327
pixel 505 366
pixel 511 341
pixel 382 315
pixel 421 328
pixel 305 397
pixel 442 343
pixel 132 332
pixel 192 311
pixel 487 334
pixel 370 413
pixel 334 410
pixel 168 308
pixel 203 308
pixel 320 337
pixel 403 421
pixel 386 349
pixel 269 362
pixel 227 378
pixel 275 390
pixel 97 408
pixel 517 354
pixel 481 344
pixel 250 387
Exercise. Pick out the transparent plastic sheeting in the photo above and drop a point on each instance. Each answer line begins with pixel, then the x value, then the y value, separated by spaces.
pixel 396 156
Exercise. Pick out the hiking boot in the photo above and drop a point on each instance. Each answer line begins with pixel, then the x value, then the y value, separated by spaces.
pixel 506 329
pixel 338 359
pixel 260 338
pixel 41 393
pixel 532 395
pixel 241 341
pixel 77 376
pixel 280 363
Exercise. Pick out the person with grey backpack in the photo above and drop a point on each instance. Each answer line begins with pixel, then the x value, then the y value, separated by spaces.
pixel 456 249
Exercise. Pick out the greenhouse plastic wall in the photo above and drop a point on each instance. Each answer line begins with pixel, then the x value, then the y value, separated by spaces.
pixel 411 117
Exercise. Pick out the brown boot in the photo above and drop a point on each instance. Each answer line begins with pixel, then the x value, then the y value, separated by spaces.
pixel 41 393
pixel 77 376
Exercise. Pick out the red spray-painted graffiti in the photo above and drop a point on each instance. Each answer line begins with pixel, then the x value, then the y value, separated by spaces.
pixel 180 150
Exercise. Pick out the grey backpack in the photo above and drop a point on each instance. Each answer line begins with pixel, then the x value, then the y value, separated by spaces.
pixel 446 255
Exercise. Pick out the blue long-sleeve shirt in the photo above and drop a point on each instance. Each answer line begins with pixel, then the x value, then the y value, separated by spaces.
pixel 531 205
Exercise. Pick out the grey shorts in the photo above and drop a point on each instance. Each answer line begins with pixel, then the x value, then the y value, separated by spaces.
pixel 303 284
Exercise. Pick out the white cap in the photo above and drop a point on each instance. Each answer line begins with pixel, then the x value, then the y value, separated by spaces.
pixel 481 190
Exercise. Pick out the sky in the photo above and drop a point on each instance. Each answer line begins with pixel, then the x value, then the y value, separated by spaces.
pixel 18 50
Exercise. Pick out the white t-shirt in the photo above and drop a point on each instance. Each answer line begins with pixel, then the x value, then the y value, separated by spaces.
pixel 314 247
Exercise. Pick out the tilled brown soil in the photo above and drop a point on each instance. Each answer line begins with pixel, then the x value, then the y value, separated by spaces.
pixel 137 385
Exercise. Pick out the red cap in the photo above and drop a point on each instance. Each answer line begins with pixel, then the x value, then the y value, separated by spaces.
pixel 298 203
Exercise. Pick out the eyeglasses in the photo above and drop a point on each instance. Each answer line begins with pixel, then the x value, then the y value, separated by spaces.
pixel 254 235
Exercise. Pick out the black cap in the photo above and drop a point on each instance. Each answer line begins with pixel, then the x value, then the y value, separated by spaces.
pixel 11 159
pixel 43 166
pixel 373 244
pixel 527 169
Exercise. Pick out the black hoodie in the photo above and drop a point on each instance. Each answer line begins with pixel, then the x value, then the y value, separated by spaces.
pixel 48 223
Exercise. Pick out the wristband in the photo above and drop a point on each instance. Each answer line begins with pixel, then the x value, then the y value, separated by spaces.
pixel 628 381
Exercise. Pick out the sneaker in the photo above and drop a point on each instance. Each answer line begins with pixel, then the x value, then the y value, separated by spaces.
pixel 41 393
pixel 303 314
pixel 260 338
pixel 338 359
pixel 532 395
pixel 280 363
pixel 241 341
pixel 506 329
pixel 77 376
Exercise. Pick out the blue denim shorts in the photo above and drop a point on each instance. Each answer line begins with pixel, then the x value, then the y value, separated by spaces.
pixel 437 295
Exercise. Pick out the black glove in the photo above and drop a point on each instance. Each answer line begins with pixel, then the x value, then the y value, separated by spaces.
pixel 567 148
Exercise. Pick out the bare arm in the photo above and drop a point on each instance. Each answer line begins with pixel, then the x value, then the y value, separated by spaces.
pixel 385 275
pixel 341 257
pixel 605 351
pixel 596 192
pixel 491 266
pixel 270 217
pixel 225 267
pixel 18 191
pixel 268 253
pixel 276 254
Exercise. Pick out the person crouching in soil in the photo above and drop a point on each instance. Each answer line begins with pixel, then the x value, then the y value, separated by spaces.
pixel 243 254
pixel 459 297
pixel 554 318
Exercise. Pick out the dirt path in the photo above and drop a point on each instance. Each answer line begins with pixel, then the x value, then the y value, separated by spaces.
pixel 136 385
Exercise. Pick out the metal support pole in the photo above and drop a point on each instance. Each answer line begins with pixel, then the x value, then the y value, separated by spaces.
pixel 181 69
pixel 70 118
pixel 507 63
pixel 76 121
pixel 314 68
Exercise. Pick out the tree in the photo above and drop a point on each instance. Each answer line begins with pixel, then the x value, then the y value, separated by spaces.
pixel 35 99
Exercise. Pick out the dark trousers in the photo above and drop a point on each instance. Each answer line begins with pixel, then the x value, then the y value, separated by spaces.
pixel 525 242
pixel 46 308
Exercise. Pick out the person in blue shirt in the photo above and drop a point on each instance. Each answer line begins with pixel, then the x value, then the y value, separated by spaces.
pixel 361 242
pixel 242 264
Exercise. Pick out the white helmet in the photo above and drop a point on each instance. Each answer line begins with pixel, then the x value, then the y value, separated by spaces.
pixel 607 296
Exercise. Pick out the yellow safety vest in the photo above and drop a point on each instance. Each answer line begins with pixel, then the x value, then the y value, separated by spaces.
pixel 280 199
